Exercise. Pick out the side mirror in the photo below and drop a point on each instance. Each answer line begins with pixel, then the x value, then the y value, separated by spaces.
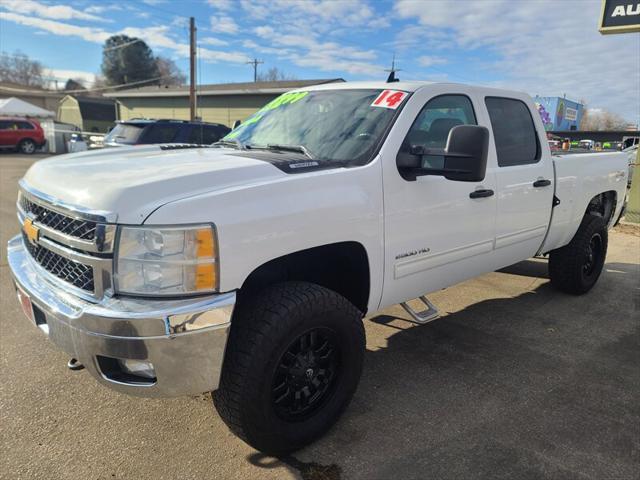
pixel 236 124
pixel 464 157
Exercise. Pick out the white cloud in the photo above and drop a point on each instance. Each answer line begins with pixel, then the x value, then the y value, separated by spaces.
pixel 544 47
pixel 157 37
pixel 59 12
pixel 315 13
pixel 87 78
pixel 429 60
pixel 221 4
pixel 89 34
pixel 306 50
pixel 224 24
pixel 100 9
pixel 216 42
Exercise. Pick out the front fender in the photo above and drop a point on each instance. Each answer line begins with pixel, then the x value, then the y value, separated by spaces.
pixel 261 222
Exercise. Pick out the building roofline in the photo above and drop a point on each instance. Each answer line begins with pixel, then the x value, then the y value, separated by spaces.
pixel 204 93
pixel 220 89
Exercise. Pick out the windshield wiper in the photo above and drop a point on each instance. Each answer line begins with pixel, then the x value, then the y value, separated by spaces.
pixel 231 143
pixel 291 148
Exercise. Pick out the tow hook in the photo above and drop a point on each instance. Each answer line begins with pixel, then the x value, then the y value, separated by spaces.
pixel 74 364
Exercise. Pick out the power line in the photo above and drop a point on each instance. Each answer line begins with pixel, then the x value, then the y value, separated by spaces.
pixel 97 89
pixel 122 45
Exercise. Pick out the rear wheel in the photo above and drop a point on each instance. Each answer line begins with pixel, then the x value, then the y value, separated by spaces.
pixel 576 267
pixel 27 146
pixel 293 362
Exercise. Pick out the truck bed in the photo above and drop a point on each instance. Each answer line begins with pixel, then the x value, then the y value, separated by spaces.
pixel 578 179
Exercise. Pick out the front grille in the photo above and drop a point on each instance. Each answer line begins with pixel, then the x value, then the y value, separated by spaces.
pixel 81 229
pixel 77 274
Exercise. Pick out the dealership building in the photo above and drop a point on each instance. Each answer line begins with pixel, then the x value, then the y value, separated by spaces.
pixel 559 113
pixel 217 103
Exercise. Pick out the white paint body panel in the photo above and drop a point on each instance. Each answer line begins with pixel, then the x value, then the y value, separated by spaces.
pixel 260 222
pixel 434 216
pixel 262 213
pixel 134 181
pixel 579 178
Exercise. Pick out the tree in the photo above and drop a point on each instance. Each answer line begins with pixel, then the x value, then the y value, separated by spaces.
pixel 274 74
pixel 601 120
pixel 20 69
pixel 127 60
pixel 74 84
pixel 169 71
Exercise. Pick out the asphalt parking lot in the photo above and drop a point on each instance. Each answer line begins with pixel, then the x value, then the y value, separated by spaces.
pixel 515 381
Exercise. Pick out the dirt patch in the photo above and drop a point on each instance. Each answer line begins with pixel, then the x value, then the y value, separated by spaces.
pixel 628 228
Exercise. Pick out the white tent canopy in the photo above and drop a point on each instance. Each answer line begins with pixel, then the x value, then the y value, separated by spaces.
pixel 15 107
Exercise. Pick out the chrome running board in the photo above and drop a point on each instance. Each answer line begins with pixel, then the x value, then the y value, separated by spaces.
pixel 421 317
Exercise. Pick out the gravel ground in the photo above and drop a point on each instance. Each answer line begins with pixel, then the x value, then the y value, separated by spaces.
pixel 514 381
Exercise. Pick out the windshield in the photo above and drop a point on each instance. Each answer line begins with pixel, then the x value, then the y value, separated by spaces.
pixel 125 133
pixel 329 125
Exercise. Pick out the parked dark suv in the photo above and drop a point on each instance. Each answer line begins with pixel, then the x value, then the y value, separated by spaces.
pixel 144 132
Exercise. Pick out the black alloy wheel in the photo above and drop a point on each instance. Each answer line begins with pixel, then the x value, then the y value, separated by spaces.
pixel 306 374
pixel 593 255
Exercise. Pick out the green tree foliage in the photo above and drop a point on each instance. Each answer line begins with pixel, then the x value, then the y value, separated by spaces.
pixel 126 60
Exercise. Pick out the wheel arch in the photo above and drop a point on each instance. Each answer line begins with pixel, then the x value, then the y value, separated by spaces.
pixel 604 205
pixel 342 267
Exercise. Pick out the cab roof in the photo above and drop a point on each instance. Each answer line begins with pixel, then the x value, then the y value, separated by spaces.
pixel 411 86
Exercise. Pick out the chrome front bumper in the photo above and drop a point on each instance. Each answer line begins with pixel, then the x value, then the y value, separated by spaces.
pixel 184 339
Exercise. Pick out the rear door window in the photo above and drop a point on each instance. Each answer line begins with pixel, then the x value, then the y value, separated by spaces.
pixel 206 134
pixel 160 133
pixel 125 133
pixel 514 133
pixel 25 126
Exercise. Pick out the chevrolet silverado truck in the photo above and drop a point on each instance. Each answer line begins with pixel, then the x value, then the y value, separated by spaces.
pixel 246 268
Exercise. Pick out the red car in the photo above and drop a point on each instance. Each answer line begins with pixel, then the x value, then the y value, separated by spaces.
pixel 24 134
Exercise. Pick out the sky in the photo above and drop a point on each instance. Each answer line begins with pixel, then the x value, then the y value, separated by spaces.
pixel 544 47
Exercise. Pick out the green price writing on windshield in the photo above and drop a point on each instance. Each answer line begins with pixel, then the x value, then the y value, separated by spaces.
pixel 284 99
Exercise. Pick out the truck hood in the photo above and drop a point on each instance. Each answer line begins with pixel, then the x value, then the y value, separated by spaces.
pixel 131 182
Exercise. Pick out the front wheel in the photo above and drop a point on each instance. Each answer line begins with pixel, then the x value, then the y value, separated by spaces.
pixel 576 267
pixel 292 364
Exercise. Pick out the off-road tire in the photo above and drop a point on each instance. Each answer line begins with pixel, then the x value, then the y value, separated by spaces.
pixel 568 265
pixel 27 146
pixel 262 329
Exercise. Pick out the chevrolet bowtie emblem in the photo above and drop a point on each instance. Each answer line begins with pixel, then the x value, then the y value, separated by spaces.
pixel 31 231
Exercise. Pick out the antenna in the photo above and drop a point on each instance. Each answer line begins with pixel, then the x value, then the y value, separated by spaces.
pixel 392 75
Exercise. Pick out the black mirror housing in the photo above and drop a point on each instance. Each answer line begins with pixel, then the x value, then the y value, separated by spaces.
pixel 465 156
pixel 466 153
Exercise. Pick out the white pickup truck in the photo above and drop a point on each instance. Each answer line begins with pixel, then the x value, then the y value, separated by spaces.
pixel 246 268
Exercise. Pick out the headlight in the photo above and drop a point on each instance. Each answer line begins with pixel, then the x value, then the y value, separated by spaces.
pixel 166 260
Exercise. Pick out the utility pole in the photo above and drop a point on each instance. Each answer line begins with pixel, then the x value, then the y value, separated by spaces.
pixel 255 62
pixel 192 68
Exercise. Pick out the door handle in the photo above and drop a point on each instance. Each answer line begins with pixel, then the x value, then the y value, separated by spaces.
pixel 541 183
pixel 481 193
